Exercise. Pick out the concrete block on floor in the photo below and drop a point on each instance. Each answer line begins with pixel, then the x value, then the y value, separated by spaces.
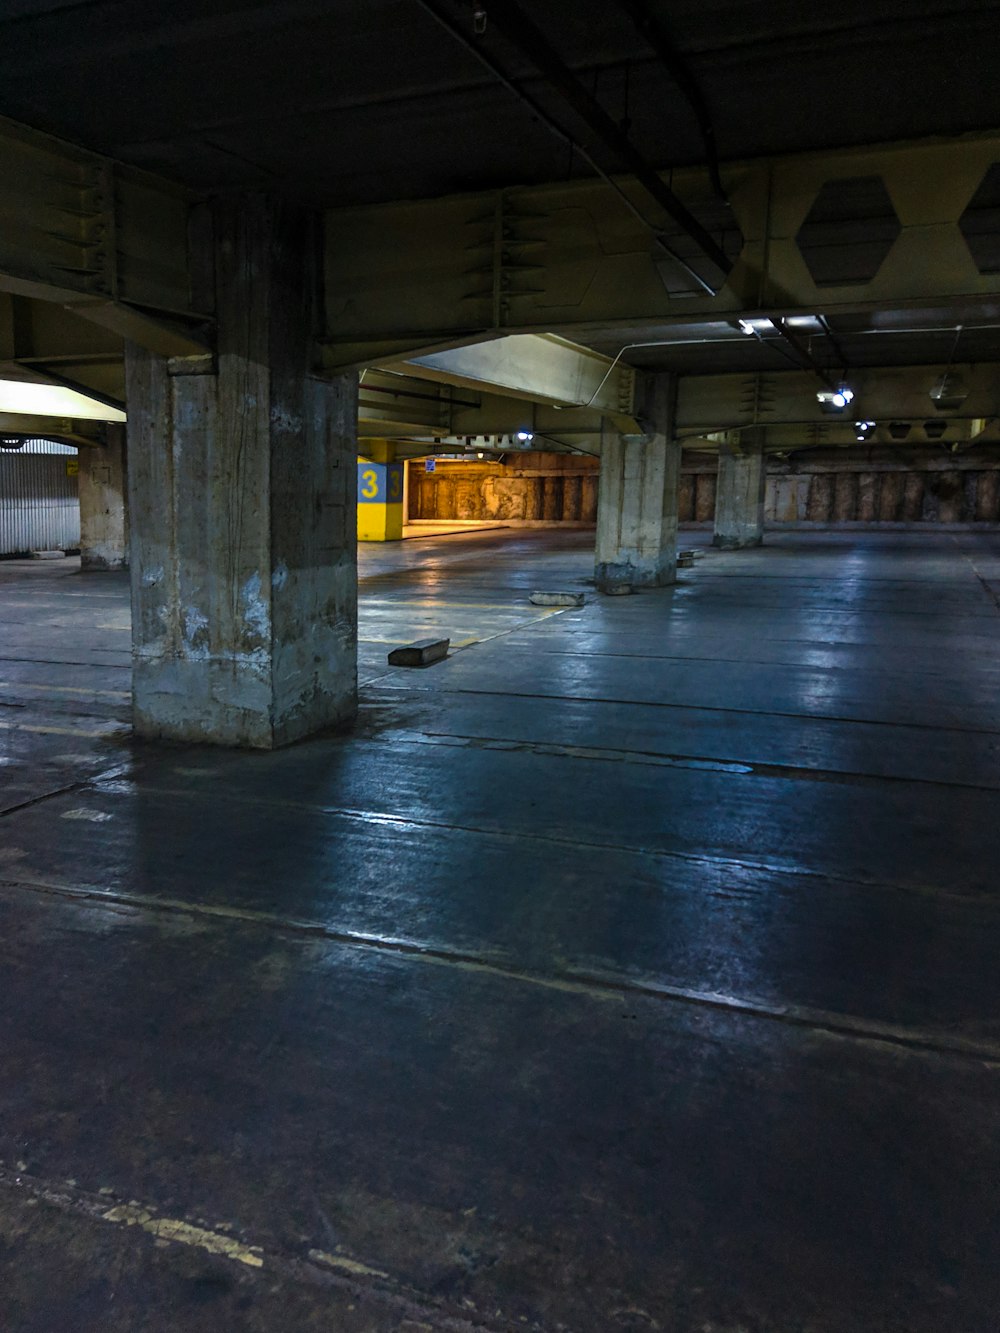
pixel 422 653
pixel 556 599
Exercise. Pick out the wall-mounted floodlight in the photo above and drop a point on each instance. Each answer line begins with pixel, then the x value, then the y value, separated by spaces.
pixel 835 400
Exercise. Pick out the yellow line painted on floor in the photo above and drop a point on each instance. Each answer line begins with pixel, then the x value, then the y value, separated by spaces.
pixel 64 731
pixel 62 689
pixel 218 1239
pixel 345 1265
pixel 394 603
pixel 168 1228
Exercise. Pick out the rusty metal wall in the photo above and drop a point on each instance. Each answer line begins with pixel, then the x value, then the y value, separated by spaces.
pixel 39 508
pixel 876 487
pixel 958 496
pixel 533 487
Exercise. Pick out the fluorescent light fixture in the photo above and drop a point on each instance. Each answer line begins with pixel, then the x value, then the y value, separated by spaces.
pixel 751 326
pixel 52 400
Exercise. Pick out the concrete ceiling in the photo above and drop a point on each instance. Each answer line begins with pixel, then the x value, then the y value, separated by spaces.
pixel 882 338
pixel 368 101
pixel 372 100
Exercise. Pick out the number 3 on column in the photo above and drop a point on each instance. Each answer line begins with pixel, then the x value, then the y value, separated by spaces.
pixel 369 484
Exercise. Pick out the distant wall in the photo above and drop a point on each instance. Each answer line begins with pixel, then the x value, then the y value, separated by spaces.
pixel 870 486
pixel 529 488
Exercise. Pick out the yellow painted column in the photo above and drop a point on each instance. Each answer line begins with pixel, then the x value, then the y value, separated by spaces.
pixel 380 501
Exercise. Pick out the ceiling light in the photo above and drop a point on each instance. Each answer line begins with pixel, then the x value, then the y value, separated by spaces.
pixel 755 326
pixel 525 436
pixel 52 400
pixel 835 400
pixel 949 393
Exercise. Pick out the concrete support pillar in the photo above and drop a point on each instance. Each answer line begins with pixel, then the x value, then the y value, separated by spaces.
pixel 739 494
pixel 103 504
pixel 637 499
pixel 243 490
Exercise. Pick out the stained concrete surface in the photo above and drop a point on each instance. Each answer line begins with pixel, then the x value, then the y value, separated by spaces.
pixel 633 969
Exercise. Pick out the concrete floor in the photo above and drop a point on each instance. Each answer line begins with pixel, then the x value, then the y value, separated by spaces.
pixel 635 969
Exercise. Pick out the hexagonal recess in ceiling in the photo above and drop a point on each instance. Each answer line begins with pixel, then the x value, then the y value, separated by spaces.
pixel 848 231
pixel 980 223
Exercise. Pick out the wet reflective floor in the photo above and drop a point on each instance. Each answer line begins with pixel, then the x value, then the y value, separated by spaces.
pixel 633 969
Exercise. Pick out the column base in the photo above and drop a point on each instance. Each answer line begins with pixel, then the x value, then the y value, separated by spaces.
pixel 92 563
pixel 736 543
pixel 226 702
pixel 614 573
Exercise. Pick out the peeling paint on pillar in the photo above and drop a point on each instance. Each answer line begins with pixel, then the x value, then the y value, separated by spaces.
pixel 637 500
pixel 739 495
pixel 103 485
pixel 244 501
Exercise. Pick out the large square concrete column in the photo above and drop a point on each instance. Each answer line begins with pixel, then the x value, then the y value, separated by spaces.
pixel 243 490
pixel 637 499
pixel 103 504
pixel 739 493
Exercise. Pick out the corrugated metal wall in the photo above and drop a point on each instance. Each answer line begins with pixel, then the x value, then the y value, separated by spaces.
pixel 39 508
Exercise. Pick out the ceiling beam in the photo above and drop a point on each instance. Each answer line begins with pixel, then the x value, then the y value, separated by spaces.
pixel 64 429
pixel 713 403
pixel 107 241
pixel 539 367
pixel 404 279
pixel 522 33
pixel 674 63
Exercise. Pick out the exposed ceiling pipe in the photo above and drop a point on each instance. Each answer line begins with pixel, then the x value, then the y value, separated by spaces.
pixel 799 347
pixel 677 66
pixel 521 31
pixel 518 29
